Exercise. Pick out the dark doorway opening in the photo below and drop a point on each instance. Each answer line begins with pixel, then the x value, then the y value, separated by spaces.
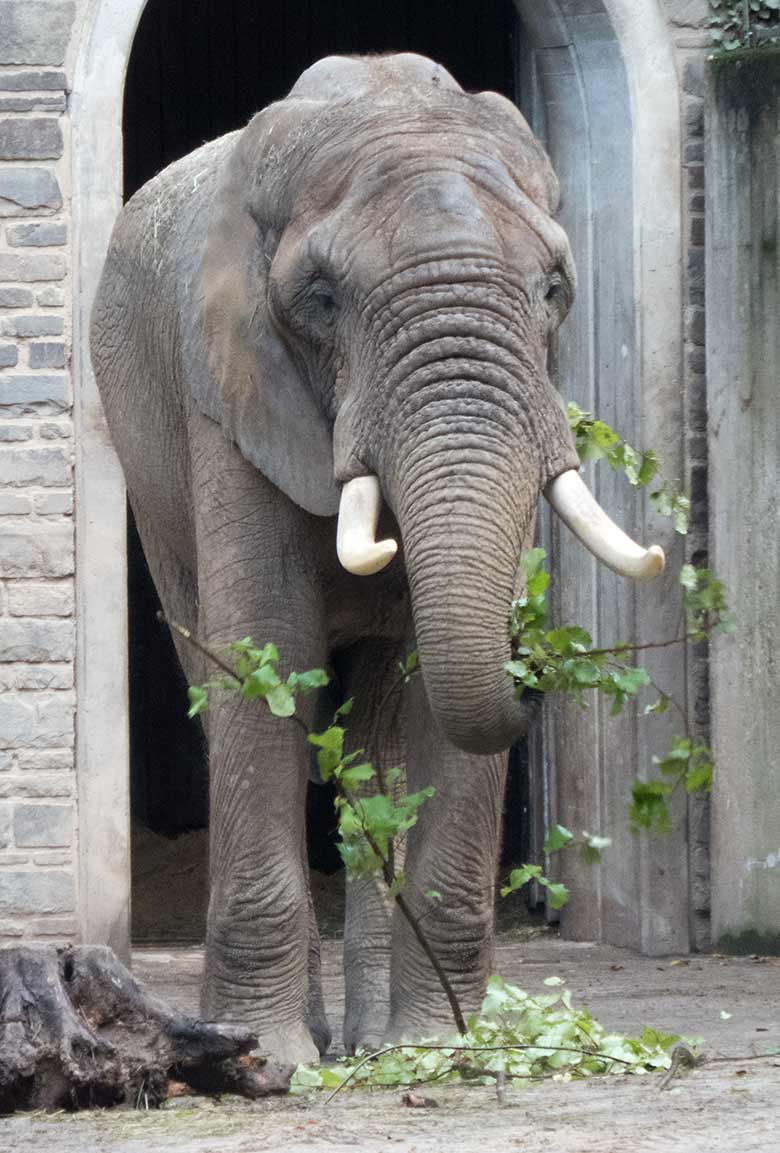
pixel 198 69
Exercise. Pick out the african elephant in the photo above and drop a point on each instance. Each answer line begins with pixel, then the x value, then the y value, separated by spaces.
pixel 347 306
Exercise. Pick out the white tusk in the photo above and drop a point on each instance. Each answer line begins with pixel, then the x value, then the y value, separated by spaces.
pixel 357 548
pixel 578 509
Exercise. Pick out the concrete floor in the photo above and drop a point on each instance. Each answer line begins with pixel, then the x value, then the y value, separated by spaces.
pixel 730 1106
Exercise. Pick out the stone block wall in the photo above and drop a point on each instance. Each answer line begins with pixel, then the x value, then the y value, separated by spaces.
pixel 37 696
pixel 688 20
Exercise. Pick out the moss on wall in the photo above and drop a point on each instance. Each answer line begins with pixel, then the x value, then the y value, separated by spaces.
pixel 748 78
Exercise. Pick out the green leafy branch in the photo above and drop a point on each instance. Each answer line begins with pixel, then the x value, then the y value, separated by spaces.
pixel 558 837
pixel 369 825
pixel 596 440
pixel 565 660
pixel 517 1038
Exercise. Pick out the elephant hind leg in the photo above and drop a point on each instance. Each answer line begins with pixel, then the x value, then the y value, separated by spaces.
pixel 371 674
pixel 315 1015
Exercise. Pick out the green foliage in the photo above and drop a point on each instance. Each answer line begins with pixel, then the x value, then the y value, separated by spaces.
pixel 557 894
pixel 704 598
pixel 526 1038
pixel 256 678
pixel 562 659
pixel 368 825
pixel 686 765
pixel 734 23
pixel 595 440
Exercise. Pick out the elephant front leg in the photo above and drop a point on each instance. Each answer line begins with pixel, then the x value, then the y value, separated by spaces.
pixel 257 947
pixel 452 852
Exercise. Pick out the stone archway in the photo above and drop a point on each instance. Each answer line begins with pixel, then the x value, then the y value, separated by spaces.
pixel 609 74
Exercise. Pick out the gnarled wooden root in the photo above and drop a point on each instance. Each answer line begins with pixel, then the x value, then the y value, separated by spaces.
pixel 76 1029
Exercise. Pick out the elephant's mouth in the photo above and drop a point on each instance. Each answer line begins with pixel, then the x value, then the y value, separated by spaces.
pixel 567 494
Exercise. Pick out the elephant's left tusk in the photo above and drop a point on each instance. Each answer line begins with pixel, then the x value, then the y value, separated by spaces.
pixel 357 548
pixel 580 511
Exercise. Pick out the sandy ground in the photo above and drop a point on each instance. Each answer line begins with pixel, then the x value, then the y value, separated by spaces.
pixel 722 1107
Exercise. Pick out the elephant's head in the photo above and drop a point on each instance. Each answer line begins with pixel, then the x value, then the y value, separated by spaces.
pixel 380 284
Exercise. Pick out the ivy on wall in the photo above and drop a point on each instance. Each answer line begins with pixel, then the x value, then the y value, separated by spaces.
pixel 744 23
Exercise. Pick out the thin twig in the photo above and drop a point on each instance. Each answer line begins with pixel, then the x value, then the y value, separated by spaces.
pixel 187 635
pixel 616 650
pixel 191 639
pixel 390 878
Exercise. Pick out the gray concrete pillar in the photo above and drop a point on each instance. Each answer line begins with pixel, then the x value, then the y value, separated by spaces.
pixel 743 360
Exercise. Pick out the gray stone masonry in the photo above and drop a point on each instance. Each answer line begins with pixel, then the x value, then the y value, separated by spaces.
pixel 38 825
pixel 689 20
pixel 29 190
pixel 47 354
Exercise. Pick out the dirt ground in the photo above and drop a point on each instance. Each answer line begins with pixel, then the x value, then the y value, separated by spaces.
pixel 722 1107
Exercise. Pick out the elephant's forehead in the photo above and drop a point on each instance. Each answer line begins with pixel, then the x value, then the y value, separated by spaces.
pixel 343 77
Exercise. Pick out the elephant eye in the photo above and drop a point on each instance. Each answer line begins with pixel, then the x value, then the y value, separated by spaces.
pixel 322 299
pixel 557 296
pixel 555 293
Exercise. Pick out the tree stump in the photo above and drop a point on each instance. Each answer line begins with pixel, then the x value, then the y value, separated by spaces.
pixel 77 1030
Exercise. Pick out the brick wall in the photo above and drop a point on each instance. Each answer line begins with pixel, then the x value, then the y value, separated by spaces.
pixel 688 21
pixel 37 814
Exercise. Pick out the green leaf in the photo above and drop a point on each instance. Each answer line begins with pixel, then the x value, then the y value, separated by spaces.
pixel 313 679
pixel 648 809
pixel 345 709
pixel 688 577
pixel 592 847
pixel 557 895
pixel 698 779
pixel 648 468
pixel 587 673
pixel 198 696
pixel 566 641
pixel 330 746
pixel 352 777
pixel 260 682
pixel 558 837
pixel 629 679
pixel 520 877
pixel 433 895
pixel 659 706
pixel 280 701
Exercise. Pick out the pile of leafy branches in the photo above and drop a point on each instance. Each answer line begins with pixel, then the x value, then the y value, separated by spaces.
pixel 743 23
pixel 516 1036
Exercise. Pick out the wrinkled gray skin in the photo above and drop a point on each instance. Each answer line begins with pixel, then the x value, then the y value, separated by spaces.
pixel 363 280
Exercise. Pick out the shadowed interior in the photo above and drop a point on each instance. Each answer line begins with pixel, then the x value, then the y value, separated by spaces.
pixel 201 68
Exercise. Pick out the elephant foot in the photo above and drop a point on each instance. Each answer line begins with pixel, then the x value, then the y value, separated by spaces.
pixel 319 1027
pixel 365 1030
pixel 291 1044
pixel 409 1028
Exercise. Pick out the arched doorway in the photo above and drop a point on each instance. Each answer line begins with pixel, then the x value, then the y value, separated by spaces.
pixel 598 82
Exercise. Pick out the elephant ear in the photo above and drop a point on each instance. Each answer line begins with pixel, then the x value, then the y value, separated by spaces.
pixel 242 372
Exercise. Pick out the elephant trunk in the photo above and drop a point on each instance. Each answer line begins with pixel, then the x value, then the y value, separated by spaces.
pixel 465 496
pixel 462 578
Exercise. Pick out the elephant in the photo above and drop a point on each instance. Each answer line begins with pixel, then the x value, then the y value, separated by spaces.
pixel 321 345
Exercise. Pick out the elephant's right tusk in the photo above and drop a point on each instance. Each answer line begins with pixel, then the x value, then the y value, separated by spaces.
pixel 580 511
pixel 357 548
